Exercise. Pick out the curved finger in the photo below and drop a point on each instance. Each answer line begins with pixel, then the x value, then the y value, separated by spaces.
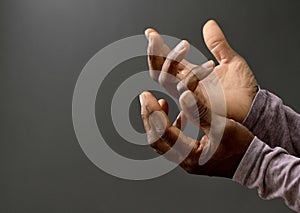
pixel 161 134
pixel 154 118
pixel 191 81
pixel 168 76
pixel 181 121
pixel 171 136
pixel 164 105
pixel 157 52
pixel 148 31
pixel 195 110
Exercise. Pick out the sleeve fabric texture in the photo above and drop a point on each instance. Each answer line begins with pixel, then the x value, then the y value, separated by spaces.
pixel 271 163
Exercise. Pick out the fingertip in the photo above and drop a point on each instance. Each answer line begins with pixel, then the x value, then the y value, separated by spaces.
pixel 209 24
pixel 161 101
pixel 149 101
pixel 212 64
pixel 186 43
pixel 212 29
pixel 209 65
pixel 145 94
pixel 187 99
pixel 143 97
pixel 149 31
pixel 211 21
pixel 182 45
pixel 164 105
pixel 216 42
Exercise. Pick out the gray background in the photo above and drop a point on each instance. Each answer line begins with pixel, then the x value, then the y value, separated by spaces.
pixel 44 44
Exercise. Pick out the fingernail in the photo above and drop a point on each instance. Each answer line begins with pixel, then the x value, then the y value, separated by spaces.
pixel 158 122
pixel 142 102
pixel 150 39
pixel 147 33
pixel 188 99
pixel 208 65
pixel 181 46
pixel 181 87
pixel 141 98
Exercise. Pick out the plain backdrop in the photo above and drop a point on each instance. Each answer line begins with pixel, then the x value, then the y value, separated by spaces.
pixel 44 44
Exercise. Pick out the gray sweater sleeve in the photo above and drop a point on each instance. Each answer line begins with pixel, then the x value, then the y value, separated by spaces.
pixel 273 172
pixel 269 164
pixel 274 123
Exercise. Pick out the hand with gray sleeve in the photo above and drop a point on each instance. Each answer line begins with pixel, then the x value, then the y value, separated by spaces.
pixel 261 141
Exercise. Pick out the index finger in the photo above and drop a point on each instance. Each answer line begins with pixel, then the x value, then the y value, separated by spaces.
pixel 157 52
pixel 198 73
pixel 195 110
pixel 161 135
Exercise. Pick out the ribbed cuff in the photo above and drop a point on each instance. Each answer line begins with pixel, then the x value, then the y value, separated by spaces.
pixel 247 164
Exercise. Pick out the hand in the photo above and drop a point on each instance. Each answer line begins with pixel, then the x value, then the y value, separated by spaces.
pixel 168 139
pixel 233 72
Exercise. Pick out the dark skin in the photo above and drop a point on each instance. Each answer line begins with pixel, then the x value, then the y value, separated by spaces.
pixel 162 135
pixel 185 81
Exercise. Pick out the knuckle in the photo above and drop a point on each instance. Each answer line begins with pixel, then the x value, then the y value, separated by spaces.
pixel 153 140
pixel 144 115
pixel 154 145
pixel 188 165
pixel 165 79
pixel 181 87
pixel 154 75
pixel 162 79
pixel 202 110
pixel 165 135
pixel 196 146
pixel 194 113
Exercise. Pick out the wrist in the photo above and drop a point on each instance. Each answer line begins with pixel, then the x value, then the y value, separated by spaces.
pixel 251 105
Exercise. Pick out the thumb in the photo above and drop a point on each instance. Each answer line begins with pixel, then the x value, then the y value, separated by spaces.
pixel 195 110
pixel 154 117
pixel 217 43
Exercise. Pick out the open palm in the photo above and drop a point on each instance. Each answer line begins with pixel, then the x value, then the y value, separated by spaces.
pixel 237 80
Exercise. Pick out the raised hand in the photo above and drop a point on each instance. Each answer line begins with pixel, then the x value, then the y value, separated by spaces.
pixel 169 68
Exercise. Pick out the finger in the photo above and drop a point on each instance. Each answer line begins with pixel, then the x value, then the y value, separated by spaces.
pixel 155 123
pixel 154 118
pixel 181 121
pixel 170 136
pixel 157 52
pixel 195 110
pixel 217 43
pixel 175 57
pixel 164 105
pixel 163 133
pixel 169 153
pixel 145 110
pixel 163 138
pixel 160 133
pixel 167 77
pixel 148 31
pixel 184 63
pixel 194 76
